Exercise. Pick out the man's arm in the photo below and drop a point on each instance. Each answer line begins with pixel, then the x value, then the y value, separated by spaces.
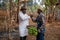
pixel 44 22
pixel 34 19
pixel 43 19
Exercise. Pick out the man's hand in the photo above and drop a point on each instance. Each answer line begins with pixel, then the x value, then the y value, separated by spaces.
pixel 42 27
pixel 31 15
pixel 28 26
pixel 39 30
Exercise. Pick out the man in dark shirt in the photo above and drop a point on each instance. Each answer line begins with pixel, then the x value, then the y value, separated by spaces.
pixel 40 20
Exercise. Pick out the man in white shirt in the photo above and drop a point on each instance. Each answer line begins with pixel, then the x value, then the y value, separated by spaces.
pixel 23 23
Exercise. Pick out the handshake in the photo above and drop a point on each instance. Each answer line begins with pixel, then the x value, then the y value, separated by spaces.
pixel 31 15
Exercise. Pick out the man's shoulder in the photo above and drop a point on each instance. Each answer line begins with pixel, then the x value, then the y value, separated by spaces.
pixel 41 14
pixel 20 13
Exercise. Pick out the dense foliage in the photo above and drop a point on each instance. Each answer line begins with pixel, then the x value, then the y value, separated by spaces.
pixel 32 31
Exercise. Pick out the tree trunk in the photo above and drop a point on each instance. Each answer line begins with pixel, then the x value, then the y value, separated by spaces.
pixel 10 12
pixel 10 7
pixel 50 17
pixel 18 11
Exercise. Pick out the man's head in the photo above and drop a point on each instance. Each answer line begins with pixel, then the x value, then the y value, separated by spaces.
pixel 23 9
pixel 39 11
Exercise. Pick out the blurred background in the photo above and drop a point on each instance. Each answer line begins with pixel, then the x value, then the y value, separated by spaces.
pixel 9 10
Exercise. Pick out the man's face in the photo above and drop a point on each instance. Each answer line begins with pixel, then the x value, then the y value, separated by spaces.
pixel 38 12
pixel 24 11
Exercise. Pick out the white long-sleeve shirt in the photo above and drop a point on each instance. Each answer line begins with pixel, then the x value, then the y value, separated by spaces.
pixel 23 23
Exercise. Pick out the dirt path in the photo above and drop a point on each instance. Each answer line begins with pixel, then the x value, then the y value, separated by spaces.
pixel 52 31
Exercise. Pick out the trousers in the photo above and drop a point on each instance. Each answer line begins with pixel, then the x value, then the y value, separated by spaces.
pixel 23 38
pixel 40 36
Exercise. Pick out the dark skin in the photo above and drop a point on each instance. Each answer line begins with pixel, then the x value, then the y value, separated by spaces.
pixel 24 11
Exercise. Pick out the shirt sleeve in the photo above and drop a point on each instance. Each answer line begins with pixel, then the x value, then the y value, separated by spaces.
pixel 34 19
pixel 23 17
pixel 43 19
